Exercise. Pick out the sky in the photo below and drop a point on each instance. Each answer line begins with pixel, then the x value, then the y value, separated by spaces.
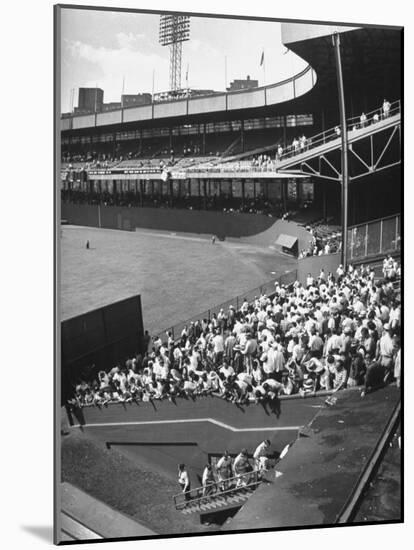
pixel 102 48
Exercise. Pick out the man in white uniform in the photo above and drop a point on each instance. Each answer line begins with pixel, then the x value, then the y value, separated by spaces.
pixel 242 466
pixel 260 456
pixel 224 470
pixel 208 480
pixel 184 481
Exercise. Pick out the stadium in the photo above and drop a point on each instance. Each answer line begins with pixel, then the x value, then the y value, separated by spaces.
pixel 231 275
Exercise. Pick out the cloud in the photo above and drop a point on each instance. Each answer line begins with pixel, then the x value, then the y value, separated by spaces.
pixel 200 48
pixel 130 41
pixel 116 63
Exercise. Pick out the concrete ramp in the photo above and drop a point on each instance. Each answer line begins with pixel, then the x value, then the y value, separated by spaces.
pixel 326 469
pixel 269 236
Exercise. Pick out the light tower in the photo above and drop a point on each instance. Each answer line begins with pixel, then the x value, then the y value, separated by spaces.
pixel 174 30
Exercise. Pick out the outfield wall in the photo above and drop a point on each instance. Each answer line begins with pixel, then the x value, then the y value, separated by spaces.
pixel 98 339
pixel 180 220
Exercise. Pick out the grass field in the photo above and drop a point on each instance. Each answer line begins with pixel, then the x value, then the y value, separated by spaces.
pixel 178 276
pixel 113 478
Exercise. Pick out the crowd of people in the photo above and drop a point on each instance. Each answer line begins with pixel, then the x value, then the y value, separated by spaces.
pixel 335 331
pixel 320 245
pixel 221 203
pixel 302 143
pixel 376 116
pixel 229 473
pixel 258 163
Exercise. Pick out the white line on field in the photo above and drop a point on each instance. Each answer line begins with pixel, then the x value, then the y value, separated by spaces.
pixel 192 420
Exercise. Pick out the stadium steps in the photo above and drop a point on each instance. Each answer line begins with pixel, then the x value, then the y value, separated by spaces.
pixel 231 147
pixel 253 152
pixel 216 502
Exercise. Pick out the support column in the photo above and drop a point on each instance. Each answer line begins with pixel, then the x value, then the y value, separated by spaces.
pixel 140 142
pixel 242 135
pixel 205 193
pixel 344 150
pixel 170 136
pixel 203 146
pixel 354 206
pixel 243 184
pixel 324 200
pixel 171 191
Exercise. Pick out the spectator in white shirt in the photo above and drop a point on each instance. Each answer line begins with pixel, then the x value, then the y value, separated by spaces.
pixel 386 106
pixel 363 120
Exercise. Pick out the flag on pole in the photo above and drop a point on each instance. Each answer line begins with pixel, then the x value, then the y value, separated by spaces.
pixel 262 58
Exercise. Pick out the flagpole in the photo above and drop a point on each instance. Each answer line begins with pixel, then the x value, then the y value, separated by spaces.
pixel 264 68
pixel 123 92
pixel 153 80
pixel 225 72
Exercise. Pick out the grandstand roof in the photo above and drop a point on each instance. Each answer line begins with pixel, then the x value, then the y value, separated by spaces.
pixel 371 61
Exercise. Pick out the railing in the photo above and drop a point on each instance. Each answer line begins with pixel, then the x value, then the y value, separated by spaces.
pixel 266 288
pixel 375 238
pixel 353 123
pixel 200 495
pixel 245 167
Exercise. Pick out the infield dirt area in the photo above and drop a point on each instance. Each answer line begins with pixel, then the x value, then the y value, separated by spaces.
pixel 178 276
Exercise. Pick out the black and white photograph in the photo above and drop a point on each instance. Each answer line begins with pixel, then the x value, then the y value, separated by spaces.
pixel 229 273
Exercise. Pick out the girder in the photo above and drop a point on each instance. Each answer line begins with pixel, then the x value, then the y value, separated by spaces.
pixel 369 152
